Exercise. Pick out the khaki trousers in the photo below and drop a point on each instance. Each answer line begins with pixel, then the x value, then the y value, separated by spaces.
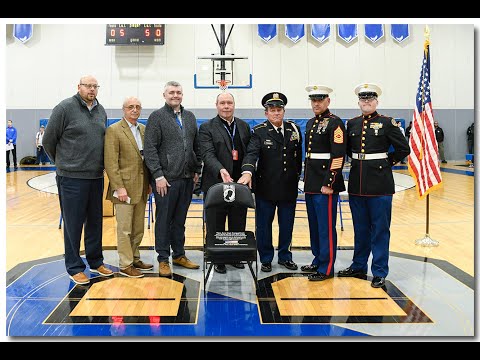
pixel 130 228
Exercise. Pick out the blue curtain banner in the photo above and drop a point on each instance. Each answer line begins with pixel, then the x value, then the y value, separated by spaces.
pixel 320 32
pixel 23 32
pixel 400 32
pixel 347 32
pixel 374 32
pixel 295 32
pixel 267 31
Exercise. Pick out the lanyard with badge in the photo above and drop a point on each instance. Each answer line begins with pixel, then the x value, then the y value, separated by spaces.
pixel 232 135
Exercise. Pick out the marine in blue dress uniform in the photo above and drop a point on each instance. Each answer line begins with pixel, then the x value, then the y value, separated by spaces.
pixel 325 147
pixel 274 158
pixel 370 184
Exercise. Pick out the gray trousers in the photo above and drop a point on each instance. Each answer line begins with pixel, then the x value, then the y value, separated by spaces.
pixel 441 151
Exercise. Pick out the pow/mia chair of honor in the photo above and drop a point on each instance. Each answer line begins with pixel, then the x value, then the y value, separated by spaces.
pixel 228 246
pixel 276 149
pixel 370 184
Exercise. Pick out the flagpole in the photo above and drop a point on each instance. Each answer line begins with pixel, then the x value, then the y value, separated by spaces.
pixel 427 240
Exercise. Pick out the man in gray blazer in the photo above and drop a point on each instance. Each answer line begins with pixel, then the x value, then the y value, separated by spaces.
pixel 172 155
pixel 223 144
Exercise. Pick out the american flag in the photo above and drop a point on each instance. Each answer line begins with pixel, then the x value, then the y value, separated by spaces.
pixel 423 160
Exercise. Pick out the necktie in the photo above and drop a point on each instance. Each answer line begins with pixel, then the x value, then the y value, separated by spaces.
pixel 280 132
pixel 138 138
pixel 178 121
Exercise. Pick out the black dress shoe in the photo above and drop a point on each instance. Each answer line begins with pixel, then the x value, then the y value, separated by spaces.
pixel 378 282
pixel 289 264
pixel 349 272
pixel 238 265
pixel 319 277
pixel 267 267
pixel 309 268
pixel 220 268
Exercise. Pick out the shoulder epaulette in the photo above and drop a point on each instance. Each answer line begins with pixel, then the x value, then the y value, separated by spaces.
pixel 292 122
pixel 264 124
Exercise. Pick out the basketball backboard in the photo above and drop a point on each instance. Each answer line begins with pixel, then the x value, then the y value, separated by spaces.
pixel 211 69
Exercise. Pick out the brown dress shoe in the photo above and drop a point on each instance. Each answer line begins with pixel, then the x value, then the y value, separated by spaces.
pixel 164 269
pixel 185 262
pixel 80 278
pixel 140 265
pixel 102 270
pixel 132 272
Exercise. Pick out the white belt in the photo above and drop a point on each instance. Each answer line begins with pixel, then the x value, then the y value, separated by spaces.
pixel 318 156
pixel 375 156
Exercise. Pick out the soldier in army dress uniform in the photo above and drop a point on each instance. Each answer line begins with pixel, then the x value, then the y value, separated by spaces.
pixel 325 147
pixel 370 184
pixel 274 157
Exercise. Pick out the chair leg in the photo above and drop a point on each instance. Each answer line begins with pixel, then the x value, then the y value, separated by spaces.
pixel 149 209
pixel 254 273
pixel 340 210
pixel 206 276
pixel 204 281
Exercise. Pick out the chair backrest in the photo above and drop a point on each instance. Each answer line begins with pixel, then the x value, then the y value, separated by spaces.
pixel 229 193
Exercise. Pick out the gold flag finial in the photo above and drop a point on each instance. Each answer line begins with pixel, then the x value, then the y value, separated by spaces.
pixel 426 32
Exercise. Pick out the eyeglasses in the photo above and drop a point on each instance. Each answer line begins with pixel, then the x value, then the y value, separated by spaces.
pixel 131 107
pixel 91 86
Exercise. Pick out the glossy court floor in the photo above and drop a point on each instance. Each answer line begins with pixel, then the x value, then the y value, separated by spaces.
pixel 423 297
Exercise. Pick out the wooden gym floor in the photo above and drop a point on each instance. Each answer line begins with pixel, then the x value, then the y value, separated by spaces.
pixel 430 290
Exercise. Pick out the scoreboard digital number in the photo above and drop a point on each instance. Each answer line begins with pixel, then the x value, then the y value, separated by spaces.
pixel 135 34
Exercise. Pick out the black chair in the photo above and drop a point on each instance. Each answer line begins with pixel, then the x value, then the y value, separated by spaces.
pixel 228 247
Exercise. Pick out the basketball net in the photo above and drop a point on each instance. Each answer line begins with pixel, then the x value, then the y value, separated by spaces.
pixel 223 84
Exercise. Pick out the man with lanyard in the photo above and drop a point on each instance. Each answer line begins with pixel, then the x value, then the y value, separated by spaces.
pixel 274 157
pixel 371 185
pixel 223 143
pixel 325 146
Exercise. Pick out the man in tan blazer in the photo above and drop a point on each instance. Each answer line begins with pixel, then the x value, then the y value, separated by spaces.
pixel 129 185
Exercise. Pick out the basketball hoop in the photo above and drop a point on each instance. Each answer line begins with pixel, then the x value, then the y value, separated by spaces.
pixel 223 84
